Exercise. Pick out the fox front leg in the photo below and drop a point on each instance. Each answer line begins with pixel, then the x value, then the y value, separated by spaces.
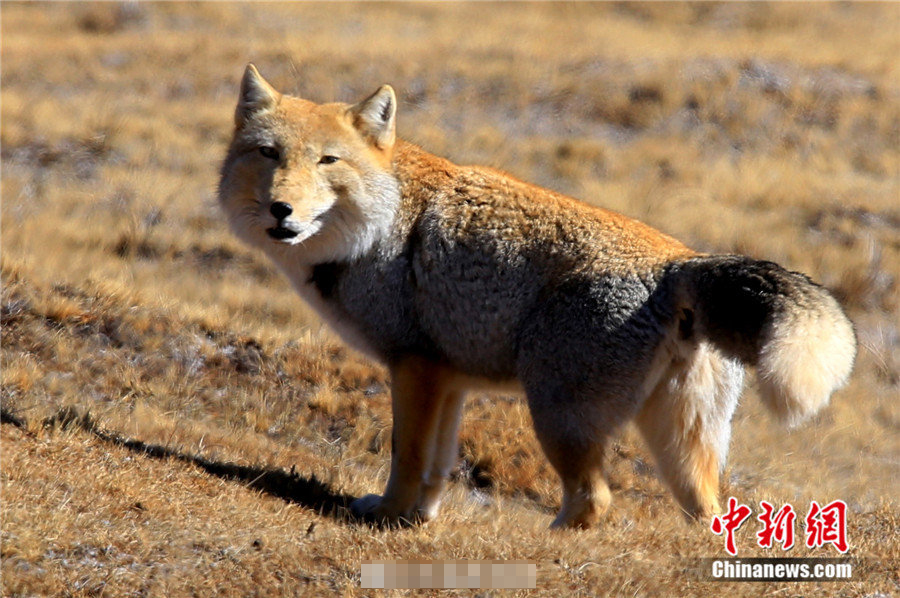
pixel 419 397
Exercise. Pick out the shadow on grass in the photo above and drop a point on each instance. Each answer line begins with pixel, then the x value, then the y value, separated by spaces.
pixel 286 485
pixel 7 417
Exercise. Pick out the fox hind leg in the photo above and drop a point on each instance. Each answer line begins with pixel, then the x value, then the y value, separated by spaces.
pixel 686 421
pixel 575 448
pixel 586 493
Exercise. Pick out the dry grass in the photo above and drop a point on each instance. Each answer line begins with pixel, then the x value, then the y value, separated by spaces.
pixel 177 423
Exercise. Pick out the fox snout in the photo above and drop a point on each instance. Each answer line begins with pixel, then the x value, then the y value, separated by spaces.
pixel 283 230
pixel 281 210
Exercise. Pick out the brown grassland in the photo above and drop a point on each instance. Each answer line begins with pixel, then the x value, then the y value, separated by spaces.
pixel 176 422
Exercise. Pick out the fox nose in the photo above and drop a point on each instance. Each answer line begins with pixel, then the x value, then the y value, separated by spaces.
pixel 281 210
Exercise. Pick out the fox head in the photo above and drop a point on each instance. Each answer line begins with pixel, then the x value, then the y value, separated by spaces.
pixel 313 181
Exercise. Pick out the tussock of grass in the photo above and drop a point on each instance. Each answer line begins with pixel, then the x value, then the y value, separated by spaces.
pixel 176 422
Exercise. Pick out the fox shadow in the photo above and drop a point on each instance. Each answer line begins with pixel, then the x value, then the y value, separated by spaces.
pixel 289 486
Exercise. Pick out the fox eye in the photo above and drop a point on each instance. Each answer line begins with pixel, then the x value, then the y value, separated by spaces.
pixel 328 159
pixel 269 152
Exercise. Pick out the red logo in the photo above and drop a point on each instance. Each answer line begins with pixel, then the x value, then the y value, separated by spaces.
pixel 777 528
pixel 824 525
pixel 827 525
pixel 729 522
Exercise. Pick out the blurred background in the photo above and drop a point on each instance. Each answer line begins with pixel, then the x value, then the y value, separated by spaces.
pixel 765 129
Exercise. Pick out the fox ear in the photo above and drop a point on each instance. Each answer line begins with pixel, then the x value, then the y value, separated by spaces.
pixel 256 96
pixel 375 117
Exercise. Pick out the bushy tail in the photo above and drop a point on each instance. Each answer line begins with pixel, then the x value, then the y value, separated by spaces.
pixel 790 328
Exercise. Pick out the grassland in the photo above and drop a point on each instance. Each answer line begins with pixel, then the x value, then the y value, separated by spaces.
pixel 176 422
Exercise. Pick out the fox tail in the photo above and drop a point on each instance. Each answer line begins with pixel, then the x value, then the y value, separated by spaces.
pixel 791 329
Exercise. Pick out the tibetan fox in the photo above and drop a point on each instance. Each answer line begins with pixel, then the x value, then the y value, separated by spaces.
pixel 461 277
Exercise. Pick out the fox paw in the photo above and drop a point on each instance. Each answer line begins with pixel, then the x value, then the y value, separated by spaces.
pixel 372 508
pixel 365 506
